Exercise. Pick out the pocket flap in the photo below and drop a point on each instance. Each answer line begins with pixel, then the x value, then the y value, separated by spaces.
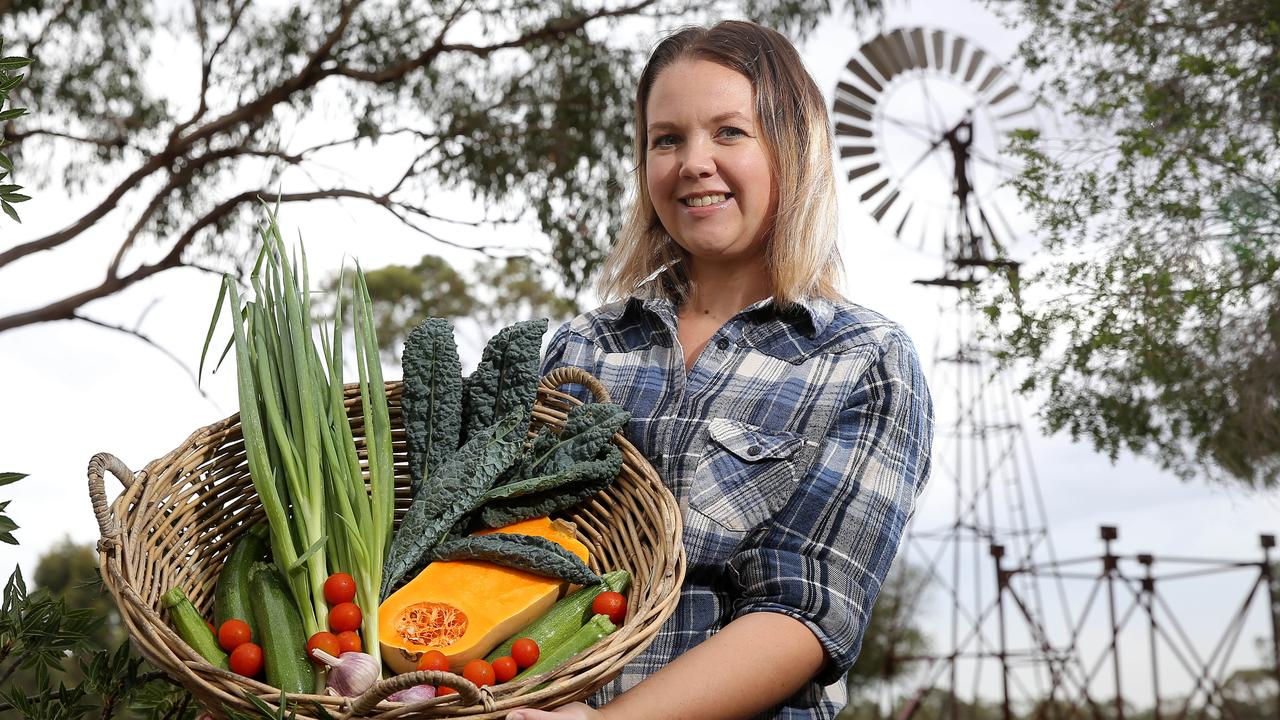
pixel 751 443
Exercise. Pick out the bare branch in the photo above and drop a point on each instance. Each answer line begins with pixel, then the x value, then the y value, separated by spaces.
pixel 17 136
pixel 206 66
pixel 136 333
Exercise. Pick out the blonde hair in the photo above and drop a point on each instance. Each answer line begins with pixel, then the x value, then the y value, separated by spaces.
pixel 802 257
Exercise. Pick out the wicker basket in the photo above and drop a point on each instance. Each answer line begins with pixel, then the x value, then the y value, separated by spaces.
pixel 177 518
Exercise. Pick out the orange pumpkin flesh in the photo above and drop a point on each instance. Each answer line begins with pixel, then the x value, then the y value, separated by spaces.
pixel 465 608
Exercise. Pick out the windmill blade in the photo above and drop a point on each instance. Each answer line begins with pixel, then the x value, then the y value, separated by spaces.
pixel 974 61
pixel 872 192
pixel 846 108
pixel 846 130
pixel 901 52
pixel 939 49
pixel 847 151
pixel 864 75
pixel 854 96
pixel 958 47
pixel 877 52
pixel 1003 95
pixel 861 170
pixel 884 206
pixel 918 48
pixel 991 77
pixel 903 222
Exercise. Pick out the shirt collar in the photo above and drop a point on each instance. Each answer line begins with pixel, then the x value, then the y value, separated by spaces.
pixel 814 313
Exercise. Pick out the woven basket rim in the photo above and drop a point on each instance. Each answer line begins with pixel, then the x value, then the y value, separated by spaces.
pixel 121 549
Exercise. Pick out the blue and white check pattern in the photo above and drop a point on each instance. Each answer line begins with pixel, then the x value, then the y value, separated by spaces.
pixel 796 447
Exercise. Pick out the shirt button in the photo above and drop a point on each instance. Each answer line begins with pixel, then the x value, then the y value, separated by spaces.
pixel 753 450
pixel 722 344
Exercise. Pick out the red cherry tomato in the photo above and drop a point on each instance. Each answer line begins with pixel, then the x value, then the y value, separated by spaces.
pixel 505 668
pixel 445 690
pixel 433 660
pixel 246 660
pixel 349 641
pixel 525 652
pixel 325 641
pixel 339 588
pixel 344 616
pixel 479 672
pixel 612 604
pixel 233 634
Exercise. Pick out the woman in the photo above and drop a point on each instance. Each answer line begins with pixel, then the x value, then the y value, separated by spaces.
pixel 793 427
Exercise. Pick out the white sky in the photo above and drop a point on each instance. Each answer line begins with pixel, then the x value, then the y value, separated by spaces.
pixel 73 390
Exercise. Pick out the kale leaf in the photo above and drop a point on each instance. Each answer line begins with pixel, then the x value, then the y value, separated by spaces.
pixel 587 430
pixel 586 478
pixel 522 552
pixel 432 399
pixel 506 378
pixel 450 493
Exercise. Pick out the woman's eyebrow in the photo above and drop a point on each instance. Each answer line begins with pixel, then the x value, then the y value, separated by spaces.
pixel 731 115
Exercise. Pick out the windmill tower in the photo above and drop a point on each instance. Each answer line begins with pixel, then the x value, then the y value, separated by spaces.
pixel 922 118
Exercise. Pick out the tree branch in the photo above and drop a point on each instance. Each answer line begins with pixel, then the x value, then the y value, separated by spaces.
pixel 17 136
pixel 146 339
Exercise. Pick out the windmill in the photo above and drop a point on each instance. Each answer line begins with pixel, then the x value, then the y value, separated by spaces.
pixel 922 118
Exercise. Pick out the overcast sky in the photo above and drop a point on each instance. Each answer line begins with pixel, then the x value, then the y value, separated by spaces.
pixel 72 390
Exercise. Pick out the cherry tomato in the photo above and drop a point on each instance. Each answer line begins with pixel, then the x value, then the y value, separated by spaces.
pixel 349 641
pixel 339 588
pixel 525 652
pixel 212 629
pixel 246 659
pixel 433 660
pixel 612 604
pixel 445 690
pixel 344 616
pixel 233 634
pixel 505 668
pixel 479 672
pixel 325 641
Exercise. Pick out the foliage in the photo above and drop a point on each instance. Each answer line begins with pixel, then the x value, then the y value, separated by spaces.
pixel 431 402
pixel 506 380
pixel 8 83
pixel 523 552
pixel 401 106
pixel 1162 221
pixel 7 525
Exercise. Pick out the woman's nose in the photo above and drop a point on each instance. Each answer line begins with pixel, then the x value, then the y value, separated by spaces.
pixel 698 161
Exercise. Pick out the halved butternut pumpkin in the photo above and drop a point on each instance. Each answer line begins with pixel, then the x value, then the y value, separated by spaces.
pixel 464 608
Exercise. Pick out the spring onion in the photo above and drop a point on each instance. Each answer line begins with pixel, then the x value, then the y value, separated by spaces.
pixel 325 512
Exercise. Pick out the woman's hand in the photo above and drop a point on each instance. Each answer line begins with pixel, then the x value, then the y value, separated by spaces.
pixel 572 711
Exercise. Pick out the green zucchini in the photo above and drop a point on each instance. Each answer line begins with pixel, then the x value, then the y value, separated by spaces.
pixel 565 617
pixel 193 629
pixel 284 642
pixel 586 636
pixel 231 596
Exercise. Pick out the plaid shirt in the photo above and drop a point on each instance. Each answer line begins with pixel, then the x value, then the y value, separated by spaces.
pixel 795 447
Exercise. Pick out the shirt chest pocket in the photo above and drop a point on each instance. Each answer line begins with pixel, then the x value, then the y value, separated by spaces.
pixel 745 475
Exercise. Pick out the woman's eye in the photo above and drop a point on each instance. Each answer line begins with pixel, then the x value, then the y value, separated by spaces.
pixel 732 132
pixel 665 140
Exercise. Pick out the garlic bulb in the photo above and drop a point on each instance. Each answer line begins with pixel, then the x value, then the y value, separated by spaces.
pixel 417 693
pixel 349 675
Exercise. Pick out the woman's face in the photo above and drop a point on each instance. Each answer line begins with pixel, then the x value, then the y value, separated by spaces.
pixel 708 168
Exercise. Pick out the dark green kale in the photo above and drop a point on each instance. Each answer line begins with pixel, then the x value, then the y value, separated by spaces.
pixel 607 465
pixel 588 429
pixel 506 378
pixel 544 495
pixel 432 399
pixel 450 493
pixel 522 552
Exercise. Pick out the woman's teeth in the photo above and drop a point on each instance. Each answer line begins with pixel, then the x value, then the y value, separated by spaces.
pixel 706 200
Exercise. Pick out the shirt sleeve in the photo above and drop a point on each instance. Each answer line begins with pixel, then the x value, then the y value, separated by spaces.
pixel 823 558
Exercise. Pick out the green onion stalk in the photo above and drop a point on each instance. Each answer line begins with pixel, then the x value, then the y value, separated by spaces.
pixel 324 513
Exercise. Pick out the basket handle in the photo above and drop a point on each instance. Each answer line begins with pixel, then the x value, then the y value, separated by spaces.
pixel 468 693
pixel 101 462
pixel 567 374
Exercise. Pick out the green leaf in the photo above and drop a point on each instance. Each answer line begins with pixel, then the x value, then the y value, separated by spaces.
pixel 14 62
pixel 522 552
pixel 8 210
pixel 506 378
pixel 10 477
pixel 14 197
pixel 6 163
pixel 432 398
pixel 12 113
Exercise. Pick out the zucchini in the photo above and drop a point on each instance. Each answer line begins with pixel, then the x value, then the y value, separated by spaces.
pixel 284 643
pixel 565 617
pixel 231 596
pixel 193 629
pixel 586 636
